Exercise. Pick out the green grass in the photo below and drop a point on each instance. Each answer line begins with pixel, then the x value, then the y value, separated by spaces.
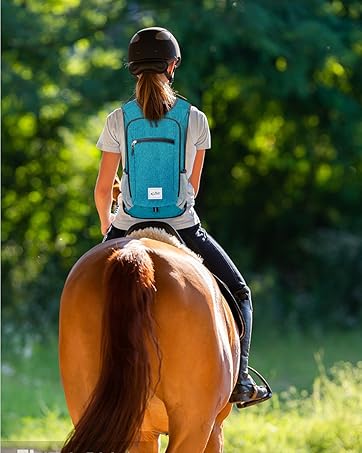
pixel 312 410
pixel 31 387
pixel 329 419
pixel 292 359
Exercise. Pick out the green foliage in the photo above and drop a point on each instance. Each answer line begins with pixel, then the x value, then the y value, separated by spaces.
pixel 286 116
pixel 61 67
pixel 281 85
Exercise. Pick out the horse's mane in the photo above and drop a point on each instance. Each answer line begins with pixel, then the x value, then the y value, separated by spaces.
pixel 158 234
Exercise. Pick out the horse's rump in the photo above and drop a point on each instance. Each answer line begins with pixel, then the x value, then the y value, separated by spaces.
pixel 156 301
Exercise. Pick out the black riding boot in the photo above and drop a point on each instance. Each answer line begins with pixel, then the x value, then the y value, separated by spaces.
pixel 246 392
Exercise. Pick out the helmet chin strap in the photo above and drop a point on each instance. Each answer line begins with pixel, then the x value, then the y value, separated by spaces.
pixel 170 77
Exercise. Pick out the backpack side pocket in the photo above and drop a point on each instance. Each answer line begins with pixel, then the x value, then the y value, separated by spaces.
pixel 183 190
pixel 126 194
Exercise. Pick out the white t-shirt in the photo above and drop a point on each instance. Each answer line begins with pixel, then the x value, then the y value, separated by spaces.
pixel 198 137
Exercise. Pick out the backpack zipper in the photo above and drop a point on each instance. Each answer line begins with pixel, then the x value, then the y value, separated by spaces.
pixel 151 139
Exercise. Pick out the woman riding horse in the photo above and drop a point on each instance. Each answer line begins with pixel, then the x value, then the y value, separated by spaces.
pixel 171 124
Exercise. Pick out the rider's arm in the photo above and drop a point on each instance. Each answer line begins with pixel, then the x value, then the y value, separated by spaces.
pixel 103 190
pixel 197 170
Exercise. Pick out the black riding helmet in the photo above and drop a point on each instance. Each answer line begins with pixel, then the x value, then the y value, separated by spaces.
pixel 152 50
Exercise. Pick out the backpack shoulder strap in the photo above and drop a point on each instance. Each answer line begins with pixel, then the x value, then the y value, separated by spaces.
pixel 180 109
pixel 180 113
pixel 131 110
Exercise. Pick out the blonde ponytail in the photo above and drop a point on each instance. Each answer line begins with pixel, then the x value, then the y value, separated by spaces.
pixel 154 95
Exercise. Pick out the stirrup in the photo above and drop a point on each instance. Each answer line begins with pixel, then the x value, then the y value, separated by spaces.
pixel 249 403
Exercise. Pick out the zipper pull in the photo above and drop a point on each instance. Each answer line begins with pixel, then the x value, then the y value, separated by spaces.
pixel 133 144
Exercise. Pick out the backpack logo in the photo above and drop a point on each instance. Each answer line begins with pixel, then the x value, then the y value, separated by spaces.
pixel 155 193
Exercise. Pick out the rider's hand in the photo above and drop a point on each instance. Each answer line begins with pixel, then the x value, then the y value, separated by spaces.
pixel 105 225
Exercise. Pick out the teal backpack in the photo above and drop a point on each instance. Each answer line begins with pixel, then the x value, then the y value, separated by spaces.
pixel 154 182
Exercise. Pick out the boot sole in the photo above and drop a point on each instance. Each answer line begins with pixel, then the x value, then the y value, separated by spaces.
pixel 240 405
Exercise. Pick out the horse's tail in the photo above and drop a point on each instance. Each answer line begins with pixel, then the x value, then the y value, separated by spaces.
pixel 116 409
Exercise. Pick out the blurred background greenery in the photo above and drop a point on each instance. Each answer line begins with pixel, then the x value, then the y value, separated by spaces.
pixel 281 85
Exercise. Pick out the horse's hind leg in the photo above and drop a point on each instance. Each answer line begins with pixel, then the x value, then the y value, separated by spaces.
pixel 188 433
pixel 149 443
pixel 216 439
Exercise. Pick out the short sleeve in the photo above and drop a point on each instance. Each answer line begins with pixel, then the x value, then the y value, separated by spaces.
pixel 111 138
pixel 200 129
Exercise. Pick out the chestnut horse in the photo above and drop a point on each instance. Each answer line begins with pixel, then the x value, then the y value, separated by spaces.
pixel 148 345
